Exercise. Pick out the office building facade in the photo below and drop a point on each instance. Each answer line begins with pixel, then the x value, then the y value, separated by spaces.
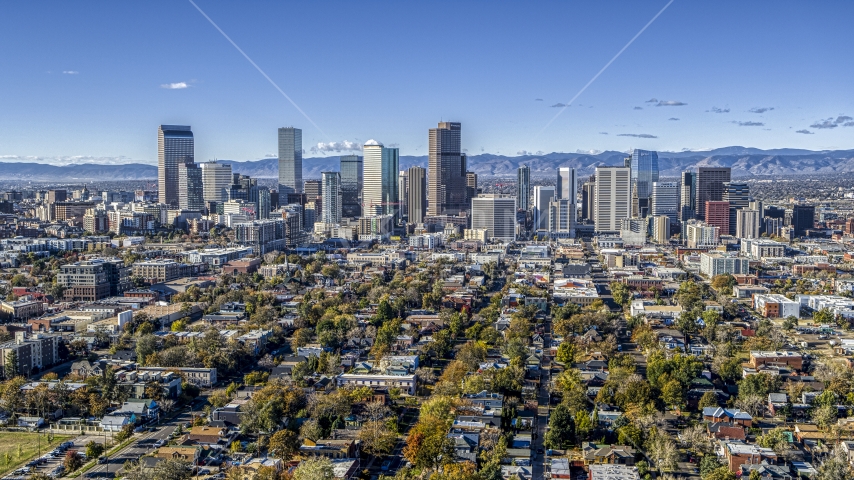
pixel 191 191
pixel 496 214
pixel 543 196
pixel 446 170
pixel 612 198
pixel 688 196
pixel 664 200
pixel 416 201
pixel 644 165
pixel 747 223
pixel 331 207
pixel 566 184
pixel 290 160
pixel 803 219
pixel 717 215
pixel 738 196
pixel 710 186
pixel 351 185
pixel 523 188
pixel 175 145
pixel 216 180
pixel 380 190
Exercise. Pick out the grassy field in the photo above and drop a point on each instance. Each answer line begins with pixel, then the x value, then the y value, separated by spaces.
pixel 16 448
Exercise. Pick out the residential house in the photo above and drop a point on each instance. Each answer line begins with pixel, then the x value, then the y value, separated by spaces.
pixel 724 415
pixel 738 454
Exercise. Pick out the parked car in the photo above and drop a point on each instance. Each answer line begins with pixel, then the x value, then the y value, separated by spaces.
pixel 386 465
pixel 159 443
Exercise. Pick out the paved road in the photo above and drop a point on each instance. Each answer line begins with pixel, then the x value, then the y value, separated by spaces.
pixel 543 406
pixel 142 444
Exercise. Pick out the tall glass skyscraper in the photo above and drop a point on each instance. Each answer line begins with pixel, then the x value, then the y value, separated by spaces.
pixel 381 169
pixel 174 145
pixel 290 160
pixel 523 188
pixel 351 185
pixel 446 170
pixel 644 173
pixel 566 184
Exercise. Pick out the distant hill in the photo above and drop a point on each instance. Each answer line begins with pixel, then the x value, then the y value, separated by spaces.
pixel 743 161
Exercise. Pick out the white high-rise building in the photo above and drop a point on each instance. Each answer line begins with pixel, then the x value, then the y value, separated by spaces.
pixel 543 196
pixel 665 200
pixel 661 229
pixel 216 179
pixel 611 198
pixel 562 218
pixel 747 223
pixel 331 188
pixel 496 214
pixel 566 184
pixel 381 169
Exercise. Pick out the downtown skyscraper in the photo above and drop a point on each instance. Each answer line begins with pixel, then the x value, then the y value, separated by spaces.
pixel 710 186
pixel 216 178
pixel 381 170
pixel 290 160
pixel 351 185
pixel 446 170
pixel 331 187
pixel 191 193
pixel 644 166
pixel 523 188
pixel 174 146
pixel 416 202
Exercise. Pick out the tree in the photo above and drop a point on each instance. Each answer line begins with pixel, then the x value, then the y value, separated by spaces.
pixel 671 393
pixel 825 416
pixel 709 399
pixel 94 449
pixel 775 439
pixel 311 430
pixel 428 445
pixel 724 283
pixel 284 444
pixel 11 366
pixel 823 316
pixel 621 293
pixel 583 425
pixel 316 468
pixel 720 473
pixel 377 439
pixel 72 461
pixel 708 464
pixel 561 428
pixel 566 353
pixel 835 466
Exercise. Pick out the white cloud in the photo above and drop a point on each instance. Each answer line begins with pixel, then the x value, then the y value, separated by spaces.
pixel 670 103
pixel 61 160
pixel 589 152
pixel 334 147
pixel 175 86
pixel 70 72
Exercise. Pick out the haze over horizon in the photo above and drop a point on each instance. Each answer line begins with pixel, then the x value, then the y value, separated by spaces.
pixel 701 76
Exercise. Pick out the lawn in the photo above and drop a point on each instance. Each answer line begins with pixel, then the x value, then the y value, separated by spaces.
pixel 16 448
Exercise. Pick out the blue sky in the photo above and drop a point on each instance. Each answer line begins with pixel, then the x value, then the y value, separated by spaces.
pixel 84 81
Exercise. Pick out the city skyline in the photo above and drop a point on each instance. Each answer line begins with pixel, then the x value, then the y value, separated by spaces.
pixel 63 87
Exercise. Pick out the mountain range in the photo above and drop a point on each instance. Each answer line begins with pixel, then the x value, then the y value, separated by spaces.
pixel 745 162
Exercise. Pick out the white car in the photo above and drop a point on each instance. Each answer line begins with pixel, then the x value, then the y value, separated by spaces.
pixel 159 443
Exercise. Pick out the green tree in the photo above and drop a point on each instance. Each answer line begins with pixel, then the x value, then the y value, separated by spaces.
pixel 284 444
pixel 566 353
pixel 621 293
pixel 709 399
pixel 11 366
pixel 561 428
pixel 94 449
pixel 823 316
pixel 720 473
